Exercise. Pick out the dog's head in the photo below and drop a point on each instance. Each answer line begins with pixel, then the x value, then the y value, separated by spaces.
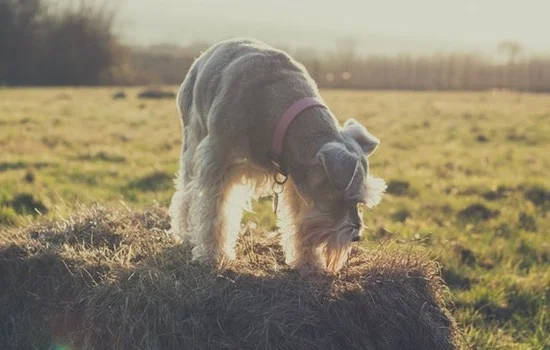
pixel 336 185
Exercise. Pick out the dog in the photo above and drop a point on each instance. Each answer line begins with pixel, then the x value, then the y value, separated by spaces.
pixel 252 118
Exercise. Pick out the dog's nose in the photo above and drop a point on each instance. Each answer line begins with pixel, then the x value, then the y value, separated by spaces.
pixel 356 238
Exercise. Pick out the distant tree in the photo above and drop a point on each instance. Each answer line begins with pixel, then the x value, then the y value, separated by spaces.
pixel 81 45
pixel 509 75
pixel 510 48
pixel 21 23
pixel 68 44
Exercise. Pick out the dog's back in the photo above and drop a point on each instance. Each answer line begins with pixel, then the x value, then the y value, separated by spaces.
pixel 229 60
pixel 227 87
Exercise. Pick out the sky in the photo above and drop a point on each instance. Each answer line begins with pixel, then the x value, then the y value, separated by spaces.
pixel 382 26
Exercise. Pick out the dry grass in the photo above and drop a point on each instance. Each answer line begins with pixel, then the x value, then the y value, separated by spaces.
pixel 112 279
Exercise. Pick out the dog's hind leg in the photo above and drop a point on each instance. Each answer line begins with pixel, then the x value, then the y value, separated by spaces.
pixel 208 221
pixel 192 134
pixel 179 207
pixel 185 187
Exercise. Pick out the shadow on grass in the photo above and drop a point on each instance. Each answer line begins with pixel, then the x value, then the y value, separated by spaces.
pixel 155 181
pixel 26 203
pixel 6 166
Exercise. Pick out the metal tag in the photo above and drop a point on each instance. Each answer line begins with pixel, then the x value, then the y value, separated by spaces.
pixel 277 188
pixel 275 202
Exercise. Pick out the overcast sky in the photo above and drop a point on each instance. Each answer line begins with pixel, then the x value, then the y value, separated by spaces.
pixel 381 25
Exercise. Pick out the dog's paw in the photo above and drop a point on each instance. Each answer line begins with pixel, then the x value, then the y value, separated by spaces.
pixel 176 238
pixel 176 235
pixel 205 259
pixel 229 254
pixel 309 270
pixel 209 258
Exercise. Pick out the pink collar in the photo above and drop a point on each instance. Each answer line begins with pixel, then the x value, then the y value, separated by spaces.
pixel 282 125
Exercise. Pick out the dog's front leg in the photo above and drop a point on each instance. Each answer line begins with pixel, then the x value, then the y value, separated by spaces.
pixel 300 252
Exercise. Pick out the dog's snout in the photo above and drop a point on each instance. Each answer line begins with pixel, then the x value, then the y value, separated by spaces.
pixel 356 238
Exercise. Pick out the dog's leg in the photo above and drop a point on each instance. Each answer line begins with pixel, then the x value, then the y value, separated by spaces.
pixel 286 221
pixel 207 219
pixel 183 197
pixel 232 201
pixel 300 251
pixel 237 199
pixel 179 208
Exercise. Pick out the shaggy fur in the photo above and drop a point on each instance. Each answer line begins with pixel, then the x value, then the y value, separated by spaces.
pixel 230 103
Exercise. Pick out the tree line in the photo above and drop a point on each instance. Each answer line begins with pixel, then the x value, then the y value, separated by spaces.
pixel 69 45
pixel 75 45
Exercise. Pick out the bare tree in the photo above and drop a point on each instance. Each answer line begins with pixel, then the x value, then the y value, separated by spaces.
pixel 510 48
pixel 508 74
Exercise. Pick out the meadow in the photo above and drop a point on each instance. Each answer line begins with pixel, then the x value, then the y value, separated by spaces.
pixel 468 177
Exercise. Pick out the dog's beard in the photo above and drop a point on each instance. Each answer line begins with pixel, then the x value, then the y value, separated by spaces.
pixel 332 238
pixel 336 248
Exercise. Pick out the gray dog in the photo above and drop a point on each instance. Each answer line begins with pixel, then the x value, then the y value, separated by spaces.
pixel 252 117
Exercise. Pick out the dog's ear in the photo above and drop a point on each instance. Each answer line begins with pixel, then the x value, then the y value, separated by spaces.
pixel 367 141
pixel 339 164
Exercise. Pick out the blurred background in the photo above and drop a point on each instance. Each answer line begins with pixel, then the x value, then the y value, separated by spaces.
pixel 420 45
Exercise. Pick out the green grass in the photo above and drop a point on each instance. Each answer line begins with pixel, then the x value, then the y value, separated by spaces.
pixel 468 175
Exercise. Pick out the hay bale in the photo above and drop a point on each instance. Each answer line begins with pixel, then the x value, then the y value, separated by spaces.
pixel 112 279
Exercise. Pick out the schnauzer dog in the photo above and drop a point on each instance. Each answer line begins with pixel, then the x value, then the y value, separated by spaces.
pixel 252 118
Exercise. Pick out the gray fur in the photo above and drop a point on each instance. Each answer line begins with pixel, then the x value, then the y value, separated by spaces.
pixel 230 103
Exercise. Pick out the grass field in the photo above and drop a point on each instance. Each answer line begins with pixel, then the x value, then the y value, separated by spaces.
pixel 468 177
